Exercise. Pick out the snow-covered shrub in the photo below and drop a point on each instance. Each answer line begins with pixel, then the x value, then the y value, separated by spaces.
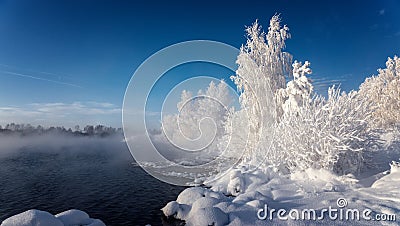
pixel 383 91
pixel 199 123
pixel 288 127
pixel 281 124
pixel 331 134
pixel 297 91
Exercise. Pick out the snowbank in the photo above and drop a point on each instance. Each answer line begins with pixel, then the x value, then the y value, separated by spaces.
pixel 42 218
pixel 31 218
pixel 237 197
pixel 388 187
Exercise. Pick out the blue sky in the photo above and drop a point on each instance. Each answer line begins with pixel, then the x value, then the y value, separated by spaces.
pixel 69 62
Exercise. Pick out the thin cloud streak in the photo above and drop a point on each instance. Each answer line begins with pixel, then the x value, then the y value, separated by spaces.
pixel 29 71
pixel 39 78
pixel 321 84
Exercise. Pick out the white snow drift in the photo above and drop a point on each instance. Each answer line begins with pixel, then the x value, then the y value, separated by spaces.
pixel 41 218
pixel 310 189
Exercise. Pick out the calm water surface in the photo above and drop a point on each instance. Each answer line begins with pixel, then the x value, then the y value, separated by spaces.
pixel 105 186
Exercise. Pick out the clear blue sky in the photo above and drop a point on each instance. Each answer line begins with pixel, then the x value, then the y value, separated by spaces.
pixel 69 62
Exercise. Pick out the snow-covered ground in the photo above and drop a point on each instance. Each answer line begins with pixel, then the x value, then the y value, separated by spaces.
pixel 306 197
pixel 263 197
pixel 41 218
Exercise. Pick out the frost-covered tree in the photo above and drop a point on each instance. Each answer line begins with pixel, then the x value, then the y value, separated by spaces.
pixel 199 123
pixel 283 123
pixel 298 91
pixel 383 91
pixel 263 66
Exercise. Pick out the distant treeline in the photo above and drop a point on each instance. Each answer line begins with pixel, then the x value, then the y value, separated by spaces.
pixel 89 130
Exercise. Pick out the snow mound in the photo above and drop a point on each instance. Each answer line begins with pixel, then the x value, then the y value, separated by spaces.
pixel 236 183
pixel 204 202
pixel 171 209
pixel 32 218
pixel 42 218
pixel 96 222
pixel 74 217
pixel 190 195
pixel 322 180
pixel 392 180
pixel 231 196
pixel 202 212
pixel 208 216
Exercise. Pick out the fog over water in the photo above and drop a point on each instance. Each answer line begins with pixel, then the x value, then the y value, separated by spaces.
pixel 54 173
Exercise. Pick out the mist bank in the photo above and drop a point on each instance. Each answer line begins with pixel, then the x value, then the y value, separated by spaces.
pixel 88 130
pixel 18 139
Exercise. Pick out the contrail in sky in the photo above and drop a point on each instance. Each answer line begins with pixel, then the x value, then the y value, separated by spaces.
pixel 39 78
pixel 13 68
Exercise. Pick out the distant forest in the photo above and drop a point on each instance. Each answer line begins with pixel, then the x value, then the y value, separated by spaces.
pixel 29 130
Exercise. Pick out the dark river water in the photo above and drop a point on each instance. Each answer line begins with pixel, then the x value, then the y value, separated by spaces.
pixel 103 184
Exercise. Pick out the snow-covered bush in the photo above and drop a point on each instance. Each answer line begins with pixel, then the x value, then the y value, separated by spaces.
pixel 383 91
pixel 331 134
pixel 297 91
pixel 285 125
pixel 288 127
pixel 199 123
